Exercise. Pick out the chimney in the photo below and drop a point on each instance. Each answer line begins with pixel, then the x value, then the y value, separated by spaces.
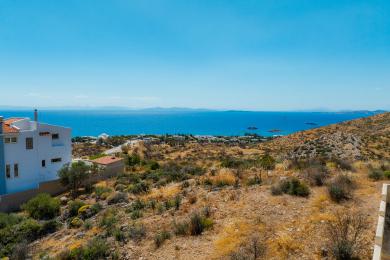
pixel 36 115
pixel 1 125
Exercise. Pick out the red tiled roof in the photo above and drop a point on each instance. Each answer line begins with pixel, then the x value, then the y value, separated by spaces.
pixel 7 125
pixel 106 160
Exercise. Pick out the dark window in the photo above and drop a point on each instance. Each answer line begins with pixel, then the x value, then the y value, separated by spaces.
pixel 8 171
pixel 16 170
pixel 43 163
pixel 55 136
pixel 54 160
pixel 14 140
pixel 29 143
pixel 7 140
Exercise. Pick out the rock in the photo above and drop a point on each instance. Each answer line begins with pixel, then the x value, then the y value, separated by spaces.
pixel 64 200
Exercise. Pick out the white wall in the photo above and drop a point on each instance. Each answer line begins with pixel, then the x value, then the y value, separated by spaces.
pixel 31 173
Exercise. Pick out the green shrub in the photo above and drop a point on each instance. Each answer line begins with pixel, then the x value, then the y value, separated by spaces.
pixel 160 237
pixel 138 188
pixel 181 228
pixel 100 190
pixel 119 235
pixel 198 224
pixel 74 206
pixel 9 219
pixel 50 226
pixel 43 206
pixel 76 222
pixel 340 188
pixel 386 174
pixel 267 162
pixel 137 232
pixel 292 187
pixel 376 174
pixel 117 197
pixel 95 249
pixel 177 202
pixel 154 165
pixel 108 219
pixel 136 214
pixel 138 205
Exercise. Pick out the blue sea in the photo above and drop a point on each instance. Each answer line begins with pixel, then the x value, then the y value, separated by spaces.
pixel 126 122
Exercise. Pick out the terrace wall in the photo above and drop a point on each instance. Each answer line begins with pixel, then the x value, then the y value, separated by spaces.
pixel 12 202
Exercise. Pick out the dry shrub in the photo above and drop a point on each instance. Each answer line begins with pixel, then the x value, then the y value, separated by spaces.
pixel 234 235
pixel 347 233
pixel 253 248
pixel 224 177
pixel 284 247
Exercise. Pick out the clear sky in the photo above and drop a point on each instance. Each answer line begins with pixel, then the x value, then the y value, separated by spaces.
pixel 243 54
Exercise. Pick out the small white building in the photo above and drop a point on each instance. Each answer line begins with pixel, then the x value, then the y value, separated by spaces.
pixel 31 153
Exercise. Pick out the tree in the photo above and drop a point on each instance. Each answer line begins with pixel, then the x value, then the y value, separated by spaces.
pixel 74 175
pixel 267 162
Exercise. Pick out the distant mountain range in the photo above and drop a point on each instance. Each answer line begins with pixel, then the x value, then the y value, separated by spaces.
pixel 170 109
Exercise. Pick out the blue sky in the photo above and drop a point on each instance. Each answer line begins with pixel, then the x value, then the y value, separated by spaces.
pixel 244 54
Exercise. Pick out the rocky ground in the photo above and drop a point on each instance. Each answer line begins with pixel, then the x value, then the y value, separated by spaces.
pixel 240 210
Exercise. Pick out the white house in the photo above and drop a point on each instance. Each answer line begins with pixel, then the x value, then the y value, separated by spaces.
pixel 31 152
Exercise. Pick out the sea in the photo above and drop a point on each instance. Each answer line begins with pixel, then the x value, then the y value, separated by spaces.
pixel 217 123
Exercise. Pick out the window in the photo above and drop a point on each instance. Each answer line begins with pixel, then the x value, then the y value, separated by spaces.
pixel 55 160
pixel 55 136
pixel 29 143
pixel 43 163
pixel 16 170
pixel 10 140
pixel 8 171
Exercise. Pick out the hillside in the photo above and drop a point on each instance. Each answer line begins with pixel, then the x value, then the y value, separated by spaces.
pixel 279 199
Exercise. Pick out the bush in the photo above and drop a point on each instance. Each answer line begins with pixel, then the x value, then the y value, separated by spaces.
pixel 340 188
pixel 267 162
pixel 316 174
pixel 253 248
pixel 74 207
pixel 100 190
pixel 376 174
pixel 43 206
pixel 386 174
pixel 119 235
pixel 95 249
pixel 137 232
pixel 292 187
pixel 160 237
pixel 136 214
pixel 50 226
pixel 138 188
pixel 346 233
pixel 117 197
pixel 20 251
pixel 198 224
pixel 181 228
pixel 256 180
pixel 154 166
pixel 76 222
pixel 108 219
pixel 9 220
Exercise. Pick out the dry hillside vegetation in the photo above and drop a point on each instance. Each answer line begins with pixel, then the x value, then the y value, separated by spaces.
pixel 311 195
